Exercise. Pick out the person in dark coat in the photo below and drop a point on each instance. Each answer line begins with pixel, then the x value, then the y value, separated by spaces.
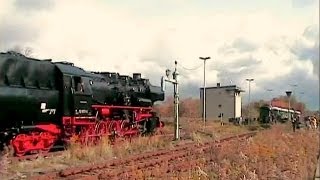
pixel 294 123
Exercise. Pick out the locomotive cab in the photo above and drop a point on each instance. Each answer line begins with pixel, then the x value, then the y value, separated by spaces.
pixel 77 93
pixel 82 96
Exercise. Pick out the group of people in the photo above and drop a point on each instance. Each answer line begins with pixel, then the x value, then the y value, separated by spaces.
pixel 273 118
pixel 310 122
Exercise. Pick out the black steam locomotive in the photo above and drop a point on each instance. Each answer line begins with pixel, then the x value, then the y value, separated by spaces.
pixel 44 102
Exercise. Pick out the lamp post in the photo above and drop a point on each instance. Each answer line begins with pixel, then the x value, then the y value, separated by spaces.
pixel 299 101
pixel 249 80
pixel 204 87
pixel 270 103
pixel 289 97
pixel 294 87
pixel 174 81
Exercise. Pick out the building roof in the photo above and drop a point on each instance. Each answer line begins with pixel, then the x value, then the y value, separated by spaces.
pixel 228 88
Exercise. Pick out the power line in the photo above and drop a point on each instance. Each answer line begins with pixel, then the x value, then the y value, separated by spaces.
pixel 190 69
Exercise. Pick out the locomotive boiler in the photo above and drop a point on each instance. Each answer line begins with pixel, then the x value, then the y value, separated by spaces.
pixel 44 102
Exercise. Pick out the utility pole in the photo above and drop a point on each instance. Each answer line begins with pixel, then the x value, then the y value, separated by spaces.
pixel 204 88
pixel 300 96
pixel 174 81
pixel 249 113
pixel 294 86
pixel 294 105
pixel 289 97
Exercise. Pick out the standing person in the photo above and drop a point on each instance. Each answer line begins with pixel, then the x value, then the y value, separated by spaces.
pixel 240 120
pixel 308 122
pixel 274 118
pixel 293 121
pixel 269 117
pixel 313 122
pixel 297 121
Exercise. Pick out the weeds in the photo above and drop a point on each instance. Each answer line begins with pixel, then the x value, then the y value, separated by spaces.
pixel 141 144
pixel 77 152
pixel 197 137
pixel 4 163
pixel 274 153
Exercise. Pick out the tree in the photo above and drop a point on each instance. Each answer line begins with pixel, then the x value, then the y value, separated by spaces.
pixel 281 101
pixel 187 108
pixel 254 108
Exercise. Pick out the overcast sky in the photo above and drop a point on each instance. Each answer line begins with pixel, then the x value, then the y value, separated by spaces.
pixel 275 42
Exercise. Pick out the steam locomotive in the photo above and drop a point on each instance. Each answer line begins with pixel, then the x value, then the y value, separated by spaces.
pixel 43 103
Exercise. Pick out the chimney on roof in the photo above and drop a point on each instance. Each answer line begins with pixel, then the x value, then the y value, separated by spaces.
pixel 218 84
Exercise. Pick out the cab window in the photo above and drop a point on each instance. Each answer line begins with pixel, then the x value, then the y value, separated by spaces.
pixel 79 86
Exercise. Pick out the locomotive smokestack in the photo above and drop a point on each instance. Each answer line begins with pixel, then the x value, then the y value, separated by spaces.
pixel 136 76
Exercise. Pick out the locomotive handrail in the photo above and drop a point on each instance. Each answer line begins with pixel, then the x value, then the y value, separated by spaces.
pixel 84 117
pixel 121 107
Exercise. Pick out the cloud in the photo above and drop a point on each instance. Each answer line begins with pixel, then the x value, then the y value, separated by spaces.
pixel 307 84
pixel 302 3
pixel 306 48
pixel 16 32
pixel 33 5
pixel 264 44
pixel 239 45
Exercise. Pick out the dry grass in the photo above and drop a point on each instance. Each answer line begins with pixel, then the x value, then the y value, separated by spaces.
pixel 272 154
pixel 212 129
pixel 4 163
pixel 77 155
pixel 276 153
pixel 141 144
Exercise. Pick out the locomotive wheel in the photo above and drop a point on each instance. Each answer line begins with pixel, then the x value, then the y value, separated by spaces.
pixel 151 125
pixel 34 142
pixel 87 135
pixel 20 143
pixel 112 131
pixel 101 129
pixel 47 140
pixel 125 125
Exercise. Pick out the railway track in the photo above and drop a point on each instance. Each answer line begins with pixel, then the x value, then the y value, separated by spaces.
pixel 36 156
pixel 179 159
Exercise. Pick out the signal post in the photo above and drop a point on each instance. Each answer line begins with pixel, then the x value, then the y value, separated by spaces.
pixel 174 81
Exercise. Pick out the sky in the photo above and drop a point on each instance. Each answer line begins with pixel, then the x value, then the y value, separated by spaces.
pixel 275 42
